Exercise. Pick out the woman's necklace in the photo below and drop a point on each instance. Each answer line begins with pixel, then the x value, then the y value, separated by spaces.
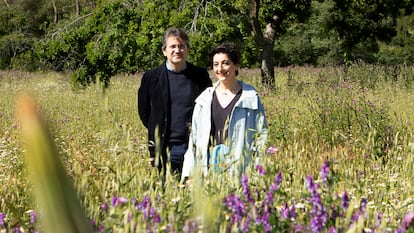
pixel 230 91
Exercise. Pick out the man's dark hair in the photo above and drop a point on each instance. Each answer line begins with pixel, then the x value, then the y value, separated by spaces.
pixel 176 32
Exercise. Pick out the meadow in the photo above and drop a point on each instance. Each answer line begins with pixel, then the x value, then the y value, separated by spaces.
pixel 339 157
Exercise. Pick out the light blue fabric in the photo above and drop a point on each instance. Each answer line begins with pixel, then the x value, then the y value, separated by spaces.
pixel 218 158
pixel 247 132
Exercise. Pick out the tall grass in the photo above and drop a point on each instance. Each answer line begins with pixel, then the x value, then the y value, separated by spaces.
pixel 360 120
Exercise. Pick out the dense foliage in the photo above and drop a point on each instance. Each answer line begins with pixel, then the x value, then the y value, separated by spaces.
pixel 95 40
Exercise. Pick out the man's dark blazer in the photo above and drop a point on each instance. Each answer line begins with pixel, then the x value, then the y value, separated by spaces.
pixel 154 99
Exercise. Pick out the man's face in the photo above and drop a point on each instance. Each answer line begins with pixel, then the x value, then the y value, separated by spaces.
pixel 176 50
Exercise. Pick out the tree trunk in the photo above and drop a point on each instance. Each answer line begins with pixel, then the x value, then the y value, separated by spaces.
pixel 266 40
pixel 55 11
pixel 77 8
pixel 267 67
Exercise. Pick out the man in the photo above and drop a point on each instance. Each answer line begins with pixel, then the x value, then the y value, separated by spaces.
pixel 166 101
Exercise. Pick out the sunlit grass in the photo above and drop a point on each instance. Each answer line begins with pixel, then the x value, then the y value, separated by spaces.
pixel 103 147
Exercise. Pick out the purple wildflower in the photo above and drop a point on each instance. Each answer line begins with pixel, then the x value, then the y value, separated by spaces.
pixel 236 206
pixel 334 214
pixel 266 205
pixel 408 221
pixel 292 210
pixel 313 189
pixel 324 173
pixel 117 201
pixel 345 200
pixel 284 213
pixel 246 190
pixel 272 150
pixel 114 201
pixel 2 219
pixel 363 205
pixel 169 228
pixel 260 169
pixel 319 216
pixel 278 179
pixel 317 203
pixel 154 216
pixel 98 228
pixel 379 220
pixel 258 220
pixel 104 207
pixel 33 217
pixel 332 230
pixel 129 217
pixel 246 224
pixel 355 217
pixel 147 210
pixel 318 213
pixel 265 221
pixel 190 226
pixel 310 184
pixel 143 205
pixel 361 211
pixel 288 212
pixel 299 228
pixel 273 188
pixel 316 224
pixel 93 224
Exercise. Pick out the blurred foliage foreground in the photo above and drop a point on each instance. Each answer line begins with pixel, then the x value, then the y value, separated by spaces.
pixel 339 159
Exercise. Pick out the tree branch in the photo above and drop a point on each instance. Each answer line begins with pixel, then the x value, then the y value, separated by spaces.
pixel 68 25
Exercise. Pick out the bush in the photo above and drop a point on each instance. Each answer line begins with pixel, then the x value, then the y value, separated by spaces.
pixel 16 52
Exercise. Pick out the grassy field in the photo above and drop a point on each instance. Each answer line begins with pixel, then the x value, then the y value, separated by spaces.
pixel 340 157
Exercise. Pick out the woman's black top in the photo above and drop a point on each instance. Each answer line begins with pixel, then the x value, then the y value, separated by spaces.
pixel 220 119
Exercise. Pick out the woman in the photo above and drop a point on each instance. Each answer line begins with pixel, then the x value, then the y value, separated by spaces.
pixel 228 124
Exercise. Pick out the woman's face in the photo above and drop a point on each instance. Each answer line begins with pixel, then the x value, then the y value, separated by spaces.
pixel 224 69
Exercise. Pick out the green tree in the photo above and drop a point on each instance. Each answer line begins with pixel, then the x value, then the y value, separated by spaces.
pixel 269 19
pixel 358 21
pixel 126 36
pixel 97 39
pixel 208 23
pixel 308 43
pixel 17 33
pixel 401 48
pixel 23 23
